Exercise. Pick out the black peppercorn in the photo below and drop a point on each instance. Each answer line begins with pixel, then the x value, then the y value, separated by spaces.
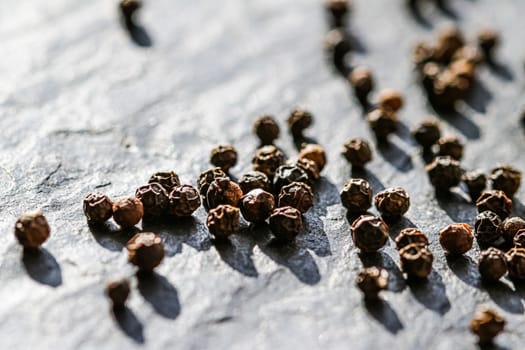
pixel 118 292
pixel 128 9
pixel 337 9
pixel 487 324
pixel 382 123
pixel 311 169
pixel 369 233
pixel 298 121
pixel 456 239
pixel 223 191
pixel 315 153
pixel 223 221
pixel 392 203
pixel 450 40
pixel 98 208
pixel 127 212
pixel 390 100
pixel 516 263
pixel 495 201
pixel 427 133
pixel 450 146
pixel 154 199
pixel 183 201
pixel 363 83
pixel 337 45
pixel 371 281
pixel 267 159
pixel 356 196
pixel 224 157
pixel 444 173
pixel 492 264
pixel 286 174
pixel 297 195
pixel 519 239
pixel 145 250
pixel 32 229
pixel 253 180
pixel 488 39
pixel 486 227
pixel 510 227
pixel 207 177
pixel 422 54
pixel 257 205
pixel 410 235
pixel 506 178
pixel 416 260
pixel 266 129
pixel 167 179
pixel 476 183
pixel 357 152
pixel 286 223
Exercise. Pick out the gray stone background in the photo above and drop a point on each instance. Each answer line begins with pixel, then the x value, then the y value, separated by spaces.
pixel 85 107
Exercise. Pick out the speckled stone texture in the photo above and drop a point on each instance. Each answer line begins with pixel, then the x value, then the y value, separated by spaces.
pixel 85 107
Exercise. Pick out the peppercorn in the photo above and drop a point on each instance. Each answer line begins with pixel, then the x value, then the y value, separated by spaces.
pixel 487 324
pixel 468 53
pixel 315 153
pixel 128 9
pixel 519 239
pixel 382 123
pixel 488 39
pixel 154 199
pixel 450 40
pixel 416 260
pixel 356 196
pixel 429 75
pixel 410 235
pixel 297 195
pixel 392 203
pixel 267 159
pixel 510 227
pixel 444 173
pixel 266 129
pixel 311 169
pixel 495 201
pixel 463 69
pixel 337 45
pixel 357 152
pixel 390 100
pixel 506 178
pixel 286 174
pixel 32 229
pixel 371 281
pixel 298 121
pixel 184 200
pixel 224 157
pixel 223 221
pixel 427 133
pixel 167 179
pixel 338 10
pixel 118 292
pixel 286 223
pixel 369 233
pixel 223 191
pixel 476 183
pixel 422 54
pixel 516 263
pixel 257 205
pixel 254 179
pixel 450 146
pixel 127 212
pixel 456 239
pixel 363 83
pixel 207 177
pixel 492 264
pixel 486 227
pixel 98 208
pixel 145 250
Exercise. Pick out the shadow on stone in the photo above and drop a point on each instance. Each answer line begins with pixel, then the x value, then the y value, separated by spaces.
pixel 431 293
pixel 374 182
pixel 416 13
pixel 237 253
pixel 384 314
pixel 457 206
pixel 42 267
pixel 138 34
pixel 465 269
pixel 479 97
pixel 393 154
pixel 111 237
pixel 129 324
pixel 160 293
pixel 504 297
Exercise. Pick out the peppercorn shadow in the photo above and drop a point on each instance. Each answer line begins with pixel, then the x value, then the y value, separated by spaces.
pixel 431 292
pixel 456 205
pixel 399 225
pixel 396 156
pixel 160 293
pixel 42 267
pixel 384 314
pixel 237 252
pixel 446 9
pixel 414 7
pixel 138 34
pixel 465 269
pixel 111 237
pixel 458 121
pixel 129 324
pixel 396 280
pixel 375 183
pixel 479 97
pixel 500 69
pixel 506 298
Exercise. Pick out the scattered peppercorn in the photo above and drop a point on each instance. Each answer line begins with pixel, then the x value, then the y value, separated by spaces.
pixel 363 83
pixel 410 235
pixel 337 10
pixel 223 221
pixel 298 121
pixel 357 152
pixel 468 53
pixel 476 183
pixel 488 39
pixel 267 159
pixel 286 174
pixel 444 173
pixel 486 227
pixel 510 227
pixel 266 129
pixel 456 239
pixel 492 264
pixel 337 45
pixel 506 178
pixel 371 281
pixel 390 100
pixel 519 239
pixel 128 9
pixel 207 177
pixel 427 133
pixel 224 157
pixel 183 201
pixel 297 195
pixel 167 179
pixel 145 250
pixel 118 292
pixel 416 260
pixel 315 153
pixel 487 324
pixel 286 223
pixel 450 40
pixel 311 169
pixel 382 123
pixel 98 208
pixel 369 233
pixel 257 205
pixel 253 180
pixel 450 146
pixel 516 263
pixel 392 203
pixel 223 191
pixel 127 212
pixel 495 201
pixel 32 229
pixel 154 199
pixel 356 196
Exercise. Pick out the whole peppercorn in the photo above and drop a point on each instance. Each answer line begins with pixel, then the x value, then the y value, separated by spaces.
pixel 363 83
pixel 450 146
pixel 369 233
pixel 254 179
pixel 267 159
pixel 444 173
pixel 450 40
pixel 487 324
pixel 470 54
pixel 184 200
pixel 486 227
pixel 492 264
pixel 371 281
pixel 32 229
pixel 118 292
pixel 506 178
pixel 127 212
pixel 410 235
pixel 510 227
pixel 357 152
pixel 223 191
pixel 257 205
pixel 427 133
pixel 145 250
pixel 224 157
pixel 223 221
pixel 207 177
pixel 392 203
pixel 495 201
pixel 356 196
pixel 154 199
pixel 286 174
pixel 286 223
pixel 311 169
pixel 298 121
pixel 488 39
pixel 430 73
pixel 266 129
pixel 167 179
pixel 416 260
pixel 422 54
pixel 456 239
pixel 382 123
pixel 297 195
pixel 390 100
pixel 315 153
pixel 516 263
pixel 98 208
pixel 128 9
pixel 337 45
pixel 476 183
pixel 338 10
pixel 519 239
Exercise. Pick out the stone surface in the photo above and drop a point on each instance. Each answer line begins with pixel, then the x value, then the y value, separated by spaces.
pixel 83 107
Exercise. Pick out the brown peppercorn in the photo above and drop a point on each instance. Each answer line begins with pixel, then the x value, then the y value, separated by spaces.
pixel 506 178
pixel 369 233
pixel 410 235
pixel 223 221
pixel 422 54
pixel 363 83
pixel 224 157
pixel 476 183
pixel 257 205
pixel 516 263
pixel 145 250
pixel 223 191
pixel 390 100
pixel 382 123
pixel 337 9
pixel 207 177
pixel 492 264
pixel 286 223
pixel 311 169
pixel 118 292
pixel 337 45
pixel 519 239
pixel 456 239
pixel 32 229
pixel 298 121
pixel 495 201
pixel 444 173
pixel 416 260
pixel 488 39
pixel 450 40
pixel 183 201
pixel 357 152
pixel 371 281
pixel 98 208
pixel 253 180
pixel 266 129
pixel 267 159
pixel 356 196
pixel 127 212
pixel 486 227
pixel 510 227
pixel 487 324
pixel 392 203
pixel 167 179
pixel 128 9
pixel 315 153
pixel 427 133
pixel 450 146
pixel 297 195
pixel 468 53
pixel 286 174
pixel 154 199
